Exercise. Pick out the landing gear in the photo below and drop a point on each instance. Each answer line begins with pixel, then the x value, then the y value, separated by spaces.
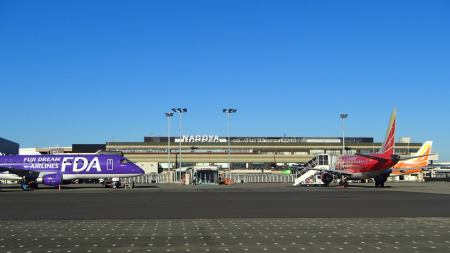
pixel 343 183
pixel 379 184
pixel 29 185
pixel 112 184
pixel 380 180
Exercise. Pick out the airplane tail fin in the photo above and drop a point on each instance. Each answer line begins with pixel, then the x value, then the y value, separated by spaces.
pixel 389 140
pixel 421 161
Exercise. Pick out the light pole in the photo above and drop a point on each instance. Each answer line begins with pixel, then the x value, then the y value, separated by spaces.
pixel 343 116
pixel 168 115
pixel 180 111
pixel 229 149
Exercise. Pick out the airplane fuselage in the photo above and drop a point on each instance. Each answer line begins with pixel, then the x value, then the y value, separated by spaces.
pixel 68 166
pixel 363 168
pixel 409 168
pixel 413 165
pixel 407 172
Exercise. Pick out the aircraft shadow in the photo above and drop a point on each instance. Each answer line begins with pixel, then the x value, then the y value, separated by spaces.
pixel 146 186
pixel 366 186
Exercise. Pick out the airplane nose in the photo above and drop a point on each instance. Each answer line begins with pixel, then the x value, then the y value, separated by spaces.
pixel 139 170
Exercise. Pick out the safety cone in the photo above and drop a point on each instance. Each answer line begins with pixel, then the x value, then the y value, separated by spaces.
pixel 59 188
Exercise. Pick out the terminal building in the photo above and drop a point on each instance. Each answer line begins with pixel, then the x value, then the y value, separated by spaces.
pixel 247 153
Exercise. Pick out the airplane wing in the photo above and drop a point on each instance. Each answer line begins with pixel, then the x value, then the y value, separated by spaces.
pixel 337 172
pixel 19 172
pixel 321 169
pixel 373 157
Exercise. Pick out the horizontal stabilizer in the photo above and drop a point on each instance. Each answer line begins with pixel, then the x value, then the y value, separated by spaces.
pixel 373 157
pixel 410 157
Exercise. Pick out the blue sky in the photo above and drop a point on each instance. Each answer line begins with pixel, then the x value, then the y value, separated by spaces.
pixel 76 72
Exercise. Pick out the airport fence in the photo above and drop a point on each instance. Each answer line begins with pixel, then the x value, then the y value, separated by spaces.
pixel 148 179
pixel 237 178
pixel 263 178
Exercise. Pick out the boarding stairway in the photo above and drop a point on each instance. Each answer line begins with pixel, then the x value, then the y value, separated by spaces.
pixel 321 161
pixel 304 173
pixel 300 180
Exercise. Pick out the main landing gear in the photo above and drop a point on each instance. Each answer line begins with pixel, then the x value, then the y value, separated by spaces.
pixel 380 180
pixel 112 184
pixel 343 183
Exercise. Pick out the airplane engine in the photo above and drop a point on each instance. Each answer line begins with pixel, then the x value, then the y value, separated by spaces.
pixel 52 179
pixel 327 178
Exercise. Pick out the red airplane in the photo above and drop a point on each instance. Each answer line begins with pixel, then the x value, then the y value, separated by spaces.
pixel 366 166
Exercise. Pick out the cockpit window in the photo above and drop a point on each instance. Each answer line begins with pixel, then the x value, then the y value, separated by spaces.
pixel 125 161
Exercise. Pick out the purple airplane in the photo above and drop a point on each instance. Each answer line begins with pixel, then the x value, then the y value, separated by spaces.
pixel 31 170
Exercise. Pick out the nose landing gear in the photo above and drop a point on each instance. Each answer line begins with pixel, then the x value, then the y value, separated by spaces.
pixel 29 185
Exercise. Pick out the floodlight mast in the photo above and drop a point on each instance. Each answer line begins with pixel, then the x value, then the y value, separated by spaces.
pixel 180 111
pixel 229 147
pixel 343 116
pixel 168 115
